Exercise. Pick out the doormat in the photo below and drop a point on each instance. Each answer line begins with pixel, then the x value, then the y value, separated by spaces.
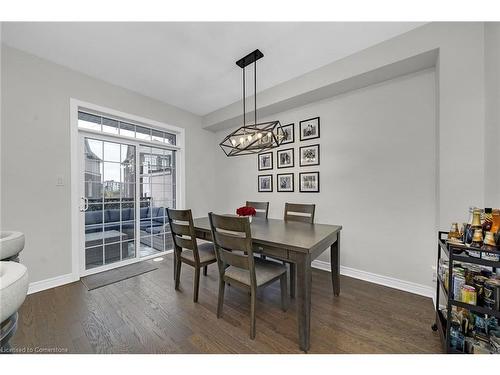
pixel 101 279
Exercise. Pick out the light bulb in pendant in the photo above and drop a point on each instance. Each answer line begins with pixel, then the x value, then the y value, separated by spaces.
pixel 242 140
pixel 249 138
pixel 233 141
pixel 259 135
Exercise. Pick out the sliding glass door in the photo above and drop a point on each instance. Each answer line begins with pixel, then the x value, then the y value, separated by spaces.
pixel 126 188
pixel 157 192
pixel 110 203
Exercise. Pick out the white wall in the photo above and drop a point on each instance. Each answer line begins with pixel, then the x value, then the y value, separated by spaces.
pixel 377 173
pixel 36 148
pixel 492 128
pixel 460 115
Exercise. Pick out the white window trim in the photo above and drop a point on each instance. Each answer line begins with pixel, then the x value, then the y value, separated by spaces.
pixel 75 106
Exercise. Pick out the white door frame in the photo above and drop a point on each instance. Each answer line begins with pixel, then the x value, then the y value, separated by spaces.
pixel 78 262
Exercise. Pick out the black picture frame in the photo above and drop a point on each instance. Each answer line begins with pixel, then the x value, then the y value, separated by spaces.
pixel 291 126
pixel 270 176
pixel 304 123
pixel 278 188
pixel 286 150
pixel 258 161
pixel 300 182
pixel 318 153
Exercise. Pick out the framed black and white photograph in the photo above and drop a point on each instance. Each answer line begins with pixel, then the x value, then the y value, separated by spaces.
pixel 265 183
pixel 309 129
pixel 288 134
pixel 284 182
pixel 265 161
pixel 285 158
pixel 309 182
pixel 309 155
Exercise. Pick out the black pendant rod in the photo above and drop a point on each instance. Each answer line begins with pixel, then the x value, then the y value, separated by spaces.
pixel 252 57
pixel 255 91
pixel 244 108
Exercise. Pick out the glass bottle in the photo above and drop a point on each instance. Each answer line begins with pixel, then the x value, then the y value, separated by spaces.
pixel 477 239
pixel 470 231
pixel 489 241
pixel 495 225
pixel 454 233
pixel 488 220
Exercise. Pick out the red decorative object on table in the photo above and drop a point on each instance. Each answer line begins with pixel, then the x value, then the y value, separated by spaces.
pixel 246 211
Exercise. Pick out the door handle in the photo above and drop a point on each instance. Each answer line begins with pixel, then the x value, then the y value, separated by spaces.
pixel 85 204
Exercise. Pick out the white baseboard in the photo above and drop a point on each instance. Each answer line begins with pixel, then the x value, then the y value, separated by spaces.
pixel 390 282
pixel 407 286
pixel 38 286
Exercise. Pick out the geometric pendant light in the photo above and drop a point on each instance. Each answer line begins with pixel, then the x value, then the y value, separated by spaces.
pixel 252 138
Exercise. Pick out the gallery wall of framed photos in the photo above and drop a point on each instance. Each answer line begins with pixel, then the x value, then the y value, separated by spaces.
pixel 304 153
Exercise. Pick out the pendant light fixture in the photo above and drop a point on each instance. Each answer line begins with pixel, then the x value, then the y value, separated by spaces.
pixel 252 138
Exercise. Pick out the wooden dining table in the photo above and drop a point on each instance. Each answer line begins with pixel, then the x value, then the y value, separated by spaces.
pixel 298 243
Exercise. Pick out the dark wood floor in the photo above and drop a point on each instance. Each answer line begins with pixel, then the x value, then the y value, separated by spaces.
pixel 145 314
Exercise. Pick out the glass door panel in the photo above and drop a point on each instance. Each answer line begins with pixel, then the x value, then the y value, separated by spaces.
pixel 157 192
pixel 109 180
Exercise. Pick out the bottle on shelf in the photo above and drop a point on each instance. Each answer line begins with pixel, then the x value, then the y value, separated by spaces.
pixel 469 232
pixel 477 243
pixel 495 216
pixel 477 239
pixel 454 233
pixel 488 219
pixel 489 241
pixel 489 244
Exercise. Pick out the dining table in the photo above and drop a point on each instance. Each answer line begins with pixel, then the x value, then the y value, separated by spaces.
pixel 293 242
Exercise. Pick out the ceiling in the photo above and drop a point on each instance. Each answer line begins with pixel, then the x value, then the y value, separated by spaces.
pixel 192 65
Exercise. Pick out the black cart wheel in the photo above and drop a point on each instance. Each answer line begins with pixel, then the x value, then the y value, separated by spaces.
pixel 434 327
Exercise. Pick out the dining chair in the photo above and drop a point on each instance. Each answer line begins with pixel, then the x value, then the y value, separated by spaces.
pixel 303 213
pixel 237 265
pixel 300 212
pixel 186 247
pixel 262 208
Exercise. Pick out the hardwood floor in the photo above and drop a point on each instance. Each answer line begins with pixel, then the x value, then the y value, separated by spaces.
pixel 145 314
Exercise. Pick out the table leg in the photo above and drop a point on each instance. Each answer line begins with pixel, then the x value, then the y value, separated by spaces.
pixel 335 265
pixel 303 298
pixel 292 280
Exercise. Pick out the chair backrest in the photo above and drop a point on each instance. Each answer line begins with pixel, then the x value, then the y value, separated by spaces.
pixel 233 243
pixel 300 212
pixel 262 208
pixel 182 228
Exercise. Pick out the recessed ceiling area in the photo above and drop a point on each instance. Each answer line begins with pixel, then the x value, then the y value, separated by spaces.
pixel 192 65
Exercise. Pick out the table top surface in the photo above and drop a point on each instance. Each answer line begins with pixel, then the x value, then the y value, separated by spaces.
pixel 292 235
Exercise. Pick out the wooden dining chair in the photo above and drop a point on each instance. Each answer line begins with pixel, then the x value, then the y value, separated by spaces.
pixel 262 208
pixel 300 212
pixel 303 213
pixel 186 247
pixel 237 265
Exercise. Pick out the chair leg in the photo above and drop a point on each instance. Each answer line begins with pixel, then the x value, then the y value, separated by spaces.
pixel 292 280
pixel 205 269
pixel 175 264
pixel 221 298
pixel 178 264
pixel 196 283
pixel 253 301
pixel 284 292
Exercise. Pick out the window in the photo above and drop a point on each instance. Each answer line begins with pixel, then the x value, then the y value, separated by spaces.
pixel 106 125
